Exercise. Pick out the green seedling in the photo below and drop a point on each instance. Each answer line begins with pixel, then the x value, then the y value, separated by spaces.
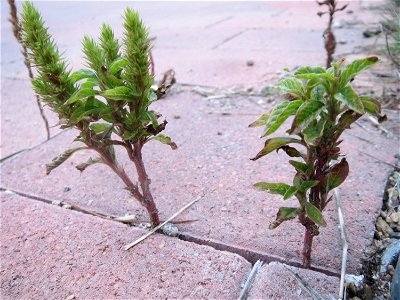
pixel 108 102
pixel 324 105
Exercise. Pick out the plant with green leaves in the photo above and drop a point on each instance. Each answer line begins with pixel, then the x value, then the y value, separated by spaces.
pixel 324 105
pixel 108 102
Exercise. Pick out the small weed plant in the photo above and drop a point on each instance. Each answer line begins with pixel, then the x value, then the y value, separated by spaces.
pixel 108 102
pixel 324 105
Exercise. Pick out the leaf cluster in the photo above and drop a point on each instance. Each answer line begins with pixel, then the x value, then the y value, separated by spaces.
pixel 322 105
pixel 112 96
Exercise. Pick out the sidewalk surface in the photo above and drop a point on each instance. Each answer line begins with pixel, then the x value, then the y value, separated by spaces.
pixel 51 252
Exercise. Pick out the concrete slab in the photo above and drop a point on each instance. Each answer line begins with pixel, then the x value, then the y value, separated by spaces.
pixel 275 281
pixel 213 154
pixel 53 253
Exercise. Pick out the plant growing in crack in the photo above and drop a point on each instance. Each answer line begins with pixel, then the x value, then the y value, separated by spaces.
pixel 329 37
pixel 108 102
pixel 324 105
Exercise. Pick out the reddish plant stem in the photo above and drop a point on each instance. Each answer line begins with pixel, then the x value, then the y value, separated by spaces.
pixel 145 184
pixel 146 199
pixel 307 246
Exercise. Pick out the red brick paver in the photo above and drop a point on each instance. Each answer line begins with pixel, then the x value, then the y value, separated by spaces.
pixel 275 281
pixel 52 253
pixel 232 211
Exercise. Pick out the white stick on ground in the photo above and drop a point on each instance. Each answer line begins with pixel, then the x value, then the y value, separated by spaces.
pixel 163 223
pixel 250 279
pixel 342 291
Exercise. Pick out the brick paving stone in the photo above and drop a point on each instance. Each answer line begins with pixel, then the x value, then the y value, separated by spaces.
pixel 52 253
pixel 205 43
pixel 274 281
pixel 213 155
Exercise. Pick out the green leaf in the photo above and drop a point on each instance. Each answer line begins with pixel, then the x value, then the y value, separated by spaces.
pixel 299 166
pixel 306 185
pixel 284 214
pixel 89 84
pixel 280 113
pixel 120 93
pixel 314 130
pixel 273 188
pixel 166 140
pixel 110 80
pixel 81 167
pixel 117 65
pixel 291 85
pixel 273 144
pixel 305 115
pixel 91 107
pixel 152 96
pixel 336 175
pixel 315 214
pixel 261 121
pixel 153 119
pixel 317 93
pixel 371 105
pixel 349 97
pixel 290 192
pixel 309 70
pixel 81 94
pixel 356 67
pixel 81 74
pixel 100 127
pixel 345 120
pixel 128 135
pixel 291 151
pixel 317 77
pixel 57 161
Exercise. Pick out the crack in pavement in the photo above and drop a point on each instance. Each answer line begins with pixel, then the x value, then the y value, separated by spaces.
pixel 229 38
pixel 218 22
pixel 250 255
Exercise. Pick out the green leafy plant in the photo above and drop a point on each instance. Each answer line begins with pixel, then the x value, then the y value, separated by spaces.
pixel 324 105
pixel 108 102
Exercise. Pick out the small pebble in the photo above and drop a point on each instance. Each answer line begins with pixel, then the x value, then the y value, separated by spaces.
pixel 67 189
pixel 67 206
pixel 250 63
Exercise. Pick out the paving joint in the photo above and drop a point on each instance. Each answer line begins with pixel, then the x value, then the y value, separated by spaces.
pixel 17 153
pixel 249 255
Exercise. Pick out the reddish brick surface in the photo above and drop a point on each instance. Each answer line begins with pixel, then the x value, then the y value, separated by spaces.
pixel 231 211
pixel 52 253
pixel 274 281
pixel 205 43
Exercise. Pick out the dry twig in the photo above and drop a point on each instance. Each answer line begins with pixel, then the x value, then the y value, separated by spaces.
pixel 246 288
pixel 17 33
pixel 127 247
pixel 342 291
